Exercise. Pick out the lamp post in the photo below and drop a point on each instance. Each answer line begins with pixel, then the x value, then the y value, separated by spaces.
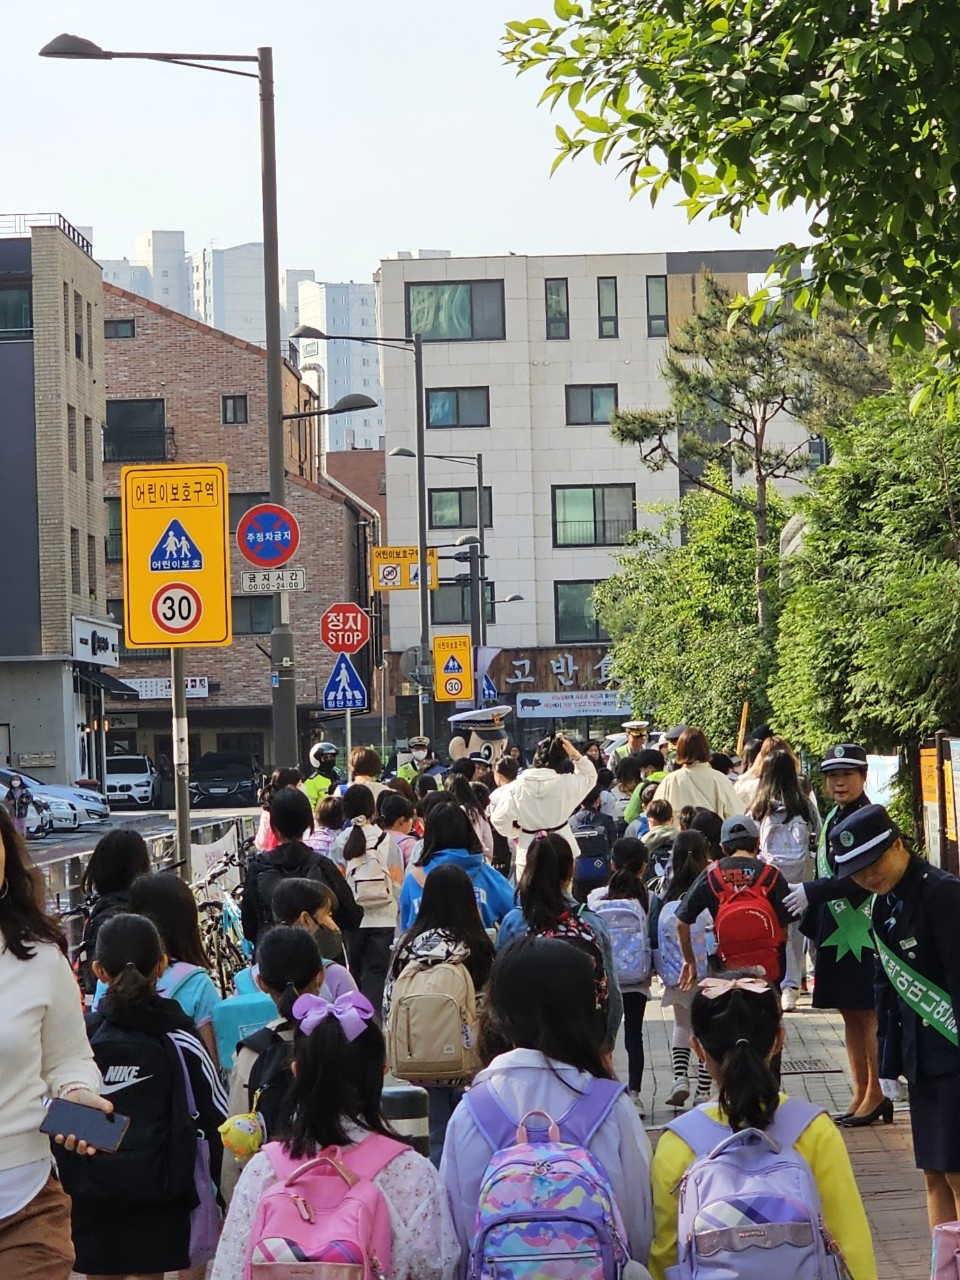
pixel 285 746
pixel 411 346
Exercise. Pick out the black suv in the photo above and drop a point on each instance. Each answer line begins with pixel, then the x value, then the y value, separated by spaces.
pixel 225 778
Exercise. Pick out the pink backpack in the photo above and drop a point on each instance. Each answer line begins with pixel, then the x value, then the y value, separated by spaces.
pixel 324 1219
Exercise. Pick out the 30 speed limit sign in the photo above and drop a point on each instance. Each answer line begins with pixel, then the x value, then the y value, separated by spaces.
pixel 177 608
pixel 453 686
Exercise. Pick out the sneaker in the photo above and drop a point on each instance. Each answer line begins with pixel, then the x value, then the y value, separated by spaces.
pixel 789 999
pixel 679 1093
pixel 699 1098
pixel 634 1096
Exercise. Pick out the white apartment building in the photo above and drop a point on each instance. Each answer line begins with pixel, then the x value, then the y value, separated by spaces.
pixel 227 290
pixel 158 270
pixel 524 360
pixel 341 309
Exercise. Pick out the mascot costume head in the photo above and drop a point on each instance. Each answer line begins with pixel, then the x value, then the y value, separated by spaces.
pixel 480 734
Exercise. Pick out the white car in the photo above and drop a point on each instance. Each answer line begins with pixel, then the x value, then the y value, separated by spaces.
pixel 90 806
pixel 133 780
pixel 63 814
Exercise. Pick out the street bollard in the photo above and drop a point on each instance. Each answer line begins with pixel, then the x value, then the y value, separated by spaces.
pixel 405 1107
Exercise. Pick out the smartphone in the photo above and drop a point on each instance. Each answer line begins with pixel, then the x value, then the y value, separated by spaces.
pixel 86 1123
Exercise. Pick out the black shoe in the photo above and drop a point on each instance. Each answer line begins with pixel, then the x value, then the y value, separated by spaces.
pixel 883 1112
pixel 847 1115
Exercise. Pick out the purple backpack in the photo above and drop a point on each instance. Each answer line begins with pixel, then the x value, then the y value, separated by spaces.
pixel 749 1203
pixel 546 1206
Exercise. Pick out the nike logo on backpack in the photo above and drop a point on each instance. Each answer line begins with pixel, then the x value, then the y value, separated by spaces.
pixel 116 1078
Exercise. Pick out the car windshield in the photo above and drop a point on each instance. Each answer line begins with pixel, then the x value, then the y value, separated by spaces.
pixel 127 764
pixel 231 762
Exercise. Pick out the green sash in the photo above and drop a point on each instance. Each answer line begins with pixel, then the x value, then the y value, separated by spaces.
pixel 919 994
pixel 853 932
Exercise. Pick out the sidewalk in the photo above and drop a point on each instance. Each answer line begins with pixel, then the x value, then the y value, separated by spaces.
pixel 814 1064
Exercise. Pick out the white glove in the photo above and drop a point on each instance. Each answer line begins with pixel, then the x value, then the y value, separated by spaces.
pixel 891 1089
pixel 796 899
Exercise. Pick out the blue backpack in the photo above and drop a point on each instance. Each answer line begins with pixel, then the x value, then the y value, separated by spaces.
pixel 749 1203
pixel 629 931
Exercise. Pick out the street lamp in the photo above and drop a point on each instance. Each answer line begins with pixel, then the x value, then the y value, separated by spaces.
pixel 285 745
pixel 414 346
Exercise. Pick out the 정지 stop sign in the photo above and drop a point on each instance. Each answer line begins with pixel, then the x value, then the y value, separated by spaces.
pixel 345 628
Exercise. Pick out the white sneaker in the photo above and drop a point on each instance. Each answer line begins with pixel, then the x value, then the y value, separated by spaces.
pixel 679 1093
pixel 634 1097
pixel 788 999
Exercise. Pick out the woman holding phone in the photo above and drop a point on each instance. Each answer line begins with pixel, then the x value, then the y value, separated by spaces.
pixel 44 1052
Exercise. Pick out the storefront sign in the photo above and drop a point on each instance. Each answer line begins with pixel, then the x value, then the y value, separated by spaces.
pixel 96 640
pixel 162 687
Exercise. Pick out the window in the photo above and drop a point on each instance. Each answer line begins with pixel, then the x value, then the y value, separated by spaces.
pixel 252 615
pixel 66 317
pixel 77 325
pixel 592 515
pixel 76 583
pixel 135 432
pixel 575 615
pixel 607 306
pixel 16 323
pixel 233 409
pixel 450 603
pixel 89 335
pixel 657 319
pixel 241 741
pixel 72 438
pixel 119 328
pixel 88 459
pixel 465 311
pixel 238 503
pixel 458 407
pixel 457 508
pixel 114 548
pixel 92 566
pixel 591 406
pixel 558 309
pixel 115 610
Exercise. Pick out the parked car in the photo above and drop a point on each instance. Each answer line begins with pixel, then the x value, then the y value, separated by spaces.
pixel 133 780
pixel 91 806
pixel 225 778
pixel 39 820
pixel 63 815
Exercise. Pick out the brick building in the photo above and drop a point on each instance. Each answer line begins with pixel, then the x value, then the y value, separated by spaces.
pixel 180 391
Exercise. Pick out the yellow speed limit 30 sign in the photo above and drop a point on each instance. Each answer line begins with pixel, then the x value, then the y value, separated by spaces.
pixel 176 563
pixel 453 669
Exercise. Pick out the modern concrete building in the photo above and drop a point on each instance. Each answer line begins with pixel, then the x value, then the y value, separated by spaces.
pixel 347 367
pixel 525 359
pixel 159 269
pixel 57 642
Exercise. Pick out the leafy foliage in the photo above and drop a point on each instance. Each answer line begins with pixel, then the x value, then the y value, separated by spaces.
pixel 851 107
pixel 683 615
pixel 869 635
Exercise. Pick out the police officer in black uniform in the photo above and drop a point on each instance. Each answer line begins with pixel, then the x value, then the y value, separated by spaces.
pixel 836 919
pixel 915 920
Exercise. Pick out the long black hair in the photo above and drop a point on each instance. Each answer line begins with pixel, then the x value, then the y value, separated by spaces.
pixel 167 900
pixel 739 1031
pixel 22 917
pixel 447 826
pixel 291 814
pixel 689 857
pixel 709 824
pixel 779 785
pixel 129 949
pixel 337 1083
pixel 450 903
pixel 359 807
pixel 393 807
pixel 541 994
pixel 118 858
pixel 288 962
pixel 548 871
pixel 462 792
pixel 550 754
pixel 278 781
pixel 630 858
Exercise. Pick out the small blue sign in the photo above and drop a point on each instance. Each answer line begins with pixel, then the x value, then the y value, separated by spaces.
pixel 344 690
pixel 452 667
pixel 176 551
pixel 488 690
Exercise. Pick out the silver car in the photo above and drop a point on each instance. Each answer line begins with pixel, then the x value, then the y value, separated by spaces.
pixel 91 806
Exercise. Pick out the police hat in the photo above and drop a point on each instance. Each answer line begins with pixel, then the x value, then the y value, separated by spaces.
pixel 862 839
pixel 635 726
pixel 739 830
pixel 418 741
pixel 846 756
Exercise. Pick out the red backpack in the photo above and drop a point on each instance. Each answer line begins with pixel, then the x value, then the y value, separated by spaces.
pixel 747 929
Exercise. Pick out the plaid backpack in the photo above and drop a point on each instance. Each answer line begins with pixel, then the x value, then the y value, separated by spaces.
pixel 571 928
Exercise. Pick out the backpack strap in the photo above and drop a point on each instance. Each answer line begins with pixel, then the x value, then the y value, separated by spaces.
pixel 792 1119
pixel 182 980
pixel 582 1120
pixel 497 1128
pixel 188 1083
pixel 368 1158
pixel 715 880
pixel 700 1131
pixel 767 876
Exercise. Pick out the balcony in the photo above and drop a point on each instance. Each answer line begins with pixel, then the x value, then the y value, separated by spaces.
pixel 133 444
pixel 591 533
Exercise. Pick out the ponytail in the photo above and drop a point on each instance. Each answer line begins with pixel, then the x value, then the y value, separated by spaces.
pixel 738 1029
pixel 130 951
pixel 356 845
pixel 549 869
pixel 129 989
pixel 749 1093
pixel 461 791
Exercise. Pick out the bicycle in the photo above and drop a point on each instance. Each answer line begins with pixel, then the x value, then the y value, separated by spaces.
pixel 220 927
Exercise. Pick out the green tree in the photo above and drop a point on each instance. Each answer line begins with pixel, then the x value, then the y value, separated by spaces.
pixel 683 615
pixel 852 108
pixel 869 632
pixel 734 383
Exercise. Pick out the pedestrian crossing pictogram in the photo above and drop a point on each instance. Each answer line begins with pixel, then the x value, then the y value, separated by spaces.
pixel 176 551
pixel 344 690
pixel 452 667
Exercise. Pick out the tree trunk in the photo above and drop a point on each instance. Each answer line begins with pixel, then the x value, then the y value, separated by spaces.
pixel 760 573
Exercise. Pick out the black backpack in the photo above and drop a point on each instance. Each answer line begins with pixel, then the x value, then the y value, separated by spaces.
pixel 592 866
pixel 143 1078
pixel 270 1079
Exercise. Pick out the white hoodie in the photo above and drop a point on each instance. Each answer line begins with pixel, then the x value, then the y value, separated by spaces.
pixel 541 800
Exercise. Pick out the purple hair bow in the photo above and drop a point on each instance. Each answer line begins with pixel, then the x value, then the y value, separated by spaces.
pixel 352 1010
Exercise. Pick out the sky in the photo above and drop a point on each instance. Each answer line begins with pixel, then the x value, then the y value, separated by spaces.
pixel 399 127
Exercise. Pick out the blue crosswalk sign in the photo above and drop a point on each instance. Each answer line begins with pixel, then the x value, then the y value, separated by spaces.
pixel 452 667
pixel 488 691
pixel 344 690
pixel 176 550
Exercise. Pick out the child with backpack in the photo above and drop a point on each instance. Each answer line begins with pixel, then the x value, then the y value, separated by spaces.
pixel 624 906
pixel 548 908
pixel 341 1189
pixel 544 1127
pixel 755 1159
pixel 327 825
pixel 135 1212
pixel 396 815
pixel 440 967
pixel 688 861
pixel 594 833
